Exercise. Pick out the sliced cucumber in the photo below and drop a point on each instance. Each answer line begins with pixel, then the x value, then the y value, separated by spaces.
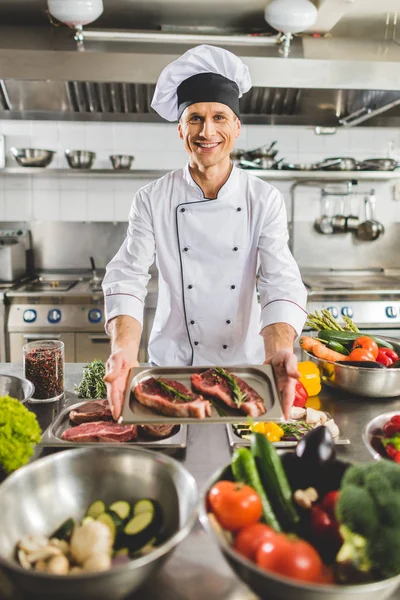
pixel 144 506
pixel 139 530
pixel 121 508
pixel 96 509
pixel 121 552
pixel 108 520
pixel 86 520
pixel 65 530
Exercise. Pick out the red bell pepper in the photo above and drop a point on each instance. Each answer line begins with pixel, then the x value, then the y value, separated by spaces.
pixel 392 427
pixel 300 395
pixel 386 357
pixel 324 528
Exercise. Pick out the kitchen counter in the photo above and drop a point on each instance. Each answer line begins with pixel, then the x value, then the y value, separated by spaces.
pixel 197 570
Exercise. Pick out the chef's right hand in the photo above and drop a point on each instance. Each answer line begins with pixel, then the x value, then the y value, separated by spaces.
pixel 116 378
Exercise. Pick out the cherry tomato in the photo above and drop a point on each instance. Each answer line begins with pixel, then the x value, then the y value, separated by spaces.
pixel 250 538
pixel 368 344
pixel 360 354
pixel 329 501
pixel 390 429
pixel 234 505
pixel 291 557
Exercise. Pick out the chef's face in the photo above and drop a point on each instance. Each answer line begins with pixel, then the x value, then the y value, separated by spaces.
pixel 209 131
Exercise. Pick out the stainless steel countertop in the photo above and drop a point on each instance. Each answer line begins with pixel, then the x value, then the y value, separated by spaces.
pixel 197 570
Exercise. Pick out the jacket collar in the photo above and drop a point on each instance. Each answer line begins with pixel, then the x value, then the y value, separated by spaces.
pixel 230 186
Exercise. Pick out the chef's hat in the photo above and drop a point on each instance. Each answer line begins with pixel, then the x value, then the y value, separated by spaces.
pixel 202 74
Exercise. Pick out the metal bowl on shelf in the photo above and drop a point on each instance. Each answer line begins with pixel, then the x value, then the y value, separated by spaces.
pixel 267 584
pixel 360 381
pixel 32 157
pixel 80 159
pixel 121 161
pixel 39 497
pixel 372 432
pixel 16 387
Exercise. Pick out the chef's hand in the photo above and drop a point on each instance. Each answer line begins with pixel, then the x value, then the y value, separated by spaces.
pixel 284 364
pixel 116 378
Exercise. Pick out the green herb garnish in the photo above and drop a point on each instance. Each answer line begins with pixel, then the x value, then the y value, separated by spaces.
pixel 297 430
pixel 238 396
pixel 92 384
pixel 169 388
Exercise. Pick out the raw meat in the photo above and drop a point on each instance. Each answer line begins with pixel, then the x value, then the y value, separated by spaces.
pixel 156 431
pixel 152 393
pixel 98 410
pixel 98 431
pixel 215 385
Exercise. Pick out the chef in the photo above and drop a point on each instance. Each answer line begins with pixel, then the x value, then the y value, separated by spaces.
pixel 211 228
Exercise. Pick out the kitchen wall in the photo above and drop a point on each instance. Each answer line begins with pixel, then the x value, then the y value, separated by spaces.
pixel 157 146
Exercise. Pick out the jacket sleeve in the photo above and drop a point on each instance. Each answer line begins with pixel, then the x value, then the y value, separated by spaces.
pixel 283 296
pixel 127 274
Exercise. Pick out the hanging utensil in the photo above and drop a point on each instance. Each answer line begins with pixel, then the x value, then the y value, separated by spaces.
pixel 352 221
pixel 324 223
pixel 378 164
pixel 370 229
pixel 337 164
pixel 339 221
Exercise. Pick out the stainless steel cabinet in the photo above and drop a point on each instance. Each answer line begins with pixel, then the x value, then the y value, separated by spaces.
pixel 89 346
pixel 18 340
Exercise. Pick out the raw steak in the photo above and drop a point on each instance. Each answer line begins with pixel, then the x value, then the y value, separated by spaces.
pixel 151 393
pixel 98 410
pixel 215 385
pixel 156 431
pixel 98 431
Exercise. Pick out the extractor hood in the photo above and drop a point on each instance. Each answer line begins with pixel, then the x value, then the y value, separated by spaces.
pixel 325 81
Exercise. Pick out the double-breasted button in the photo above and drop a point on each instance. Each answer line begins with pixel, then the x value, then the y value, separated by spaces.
pixel 228 322
pixel 190 286
pixel 236 248
pixel 185 249
pixel 192 322
pixel 224 346
pixel 233 287
pixel 182 210
pixel 238 209
pixel 196 343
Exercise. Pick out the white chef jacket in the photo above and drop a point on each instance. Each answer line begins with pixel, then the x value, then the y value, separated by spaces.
pixel 207 252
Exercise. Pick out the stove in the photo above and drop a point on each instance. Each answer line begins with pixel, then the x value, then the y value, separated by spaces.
pixel 48 286
pixel 370 297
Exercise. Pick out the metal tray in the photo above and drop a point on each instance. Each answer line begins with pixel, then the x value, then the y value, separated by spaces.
pixel 259 377
pixel 52 435
pixel 236 441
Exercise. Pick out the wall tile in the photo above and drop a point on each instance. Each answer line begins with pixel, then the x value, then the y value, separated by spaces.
pixel 46 205
pixel 41 182
pixel 100 206
pixel 98 135
pixel 2 206
pixel 73 182
pixel 73 205
pixel 18 182
pixel 122 206
pixel 71 136
pixel 18 205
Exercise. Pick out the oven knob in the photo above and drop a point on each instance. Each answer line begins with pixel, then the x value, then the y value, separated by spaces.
pixel 347 311
pixel 334 311
pixel 391 312
pixel 30 315
pixel 54 316
pixel 94 315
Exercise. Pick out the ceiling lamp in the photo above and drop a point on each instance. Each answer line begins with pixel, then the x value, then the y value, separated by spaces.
pixel 289 17
pixel 76 13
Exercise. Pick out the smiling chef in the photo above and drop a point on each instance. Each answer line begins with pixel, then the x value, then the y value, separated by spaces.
pixel 211 227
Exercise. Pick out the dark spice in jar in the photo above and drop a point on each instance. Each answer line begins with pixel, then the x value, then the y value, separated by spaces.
pixel 45 369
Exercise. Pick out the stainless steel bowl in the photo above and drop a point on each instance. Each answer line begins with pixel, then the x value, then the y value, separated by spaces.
pixel 32 157
pixel 39 497
pixel 270 585
pixel 16 387
pixel 121 161
pixel 80 159
pixel 359 381
pixel 374 426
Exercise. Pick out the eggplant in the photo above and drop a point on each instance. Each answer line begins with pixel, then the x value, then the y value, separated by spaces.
pixel 365 364
pixel 395 365
pixel 317 447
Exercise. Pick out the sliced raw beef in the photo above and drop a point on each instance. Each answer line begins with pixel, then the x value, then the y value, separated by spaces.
pixel 171 398
pixel 98 410
pixel 98 431
pixel 156 431
pixel 217 386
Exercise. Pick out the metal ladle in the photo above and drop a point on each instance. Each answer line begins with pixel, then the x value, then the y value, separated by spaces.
pixel 370 229
pixel 324 223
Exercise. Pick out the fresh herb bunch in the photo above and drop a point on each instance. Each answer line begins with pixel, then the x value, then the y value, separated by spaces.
pixel 238 396
pixel 19 433
pixel 92 384
pixel 324 320
pixel 172 390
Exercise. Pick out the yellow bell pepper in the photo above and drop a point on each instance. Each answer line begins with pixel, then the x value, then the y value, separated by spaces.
pixel 271 430
pixel 310 377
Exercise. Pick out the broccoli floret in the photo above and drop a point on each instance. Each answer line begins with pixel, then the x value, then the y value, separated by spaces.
pixel 19 432
pixel 379 554
pixel 352 561
pixel 354 475
pixel 356 509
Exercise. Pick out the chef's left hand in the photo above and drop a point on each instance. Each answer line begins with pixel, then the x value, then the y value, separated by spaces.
pixel 284 364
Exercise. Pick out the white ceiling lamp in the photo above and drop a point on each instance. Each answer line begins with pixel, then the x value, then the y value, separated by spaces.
pixel 76 13
pixel 289 17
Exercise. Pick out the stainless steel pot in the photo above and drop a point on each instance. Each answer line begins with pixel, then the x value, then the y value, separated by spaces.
pixel 337 164
pixel 262 152
pixel 121 161
pixel 80 159
pixel 324 223
pixel 370 229
pixel 297 167
pixel 378 164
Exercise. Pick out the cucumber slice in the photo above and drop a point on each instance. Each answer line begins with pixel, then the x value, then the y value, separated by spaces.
pixel 121 508
pixel 143 506
pixel 139 530
pixel 107 519
pixel 116 518
pixel 86 520
pixel 138 523
pixel 65 530
pixel 121 552
pixel 96 509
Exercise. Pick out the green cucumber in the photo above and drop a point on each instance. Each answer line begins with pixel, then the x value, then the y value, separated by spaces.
pixel 121 508
pixel 139 530
pixel 346 338
pixel 96 509
pixel 337 347
pixel 65 530
pixel 244 470
pixel 274 481
pixel 382 343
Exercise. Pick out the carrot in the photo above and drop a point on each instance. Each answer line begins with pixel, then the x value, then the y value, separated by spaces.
pixel 319 350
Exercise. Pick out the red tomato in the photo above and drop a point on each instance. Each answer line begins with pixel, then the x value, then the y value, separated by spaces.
pixel 329 501
pixel 290 557
pixel 368 344
pixel 250 538
pixel 360 354
pixel 234 505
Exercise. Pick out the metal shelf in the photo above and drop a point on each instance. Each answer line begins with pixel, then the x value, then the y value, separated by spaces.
pixel 263 174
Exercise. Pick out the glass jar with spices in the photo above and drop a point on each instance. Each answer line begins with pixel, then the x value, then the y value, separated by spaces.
pixel 44 367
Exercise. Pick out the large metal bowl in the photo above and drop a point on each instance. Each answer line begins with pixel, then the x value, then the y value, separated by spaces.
pixel 32 157
pixel 269 585
pixel 16 387
pixel 39 497
pixel 80 159
pixel 373 427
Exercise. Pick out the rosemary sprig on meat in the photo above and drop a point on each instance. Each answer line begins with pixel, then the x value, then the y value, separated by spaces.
pixel 172 390
pixel 238 396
